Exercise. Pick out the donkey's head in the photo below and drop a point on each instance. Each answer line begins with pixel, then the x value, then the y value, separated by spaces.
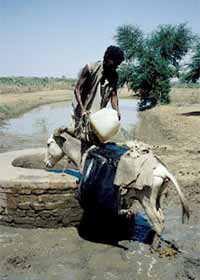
pixel 62 143
pixel 54 150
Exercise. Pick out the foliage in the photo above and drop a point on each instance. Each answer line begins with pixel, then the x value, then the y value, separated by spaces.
pixel 152 60
pixel 173 42
pixel 130 40
pixel 152 75
pixel 194 67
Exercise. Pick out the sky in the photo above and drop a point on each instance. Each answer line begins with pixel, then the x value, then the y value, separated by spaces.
pixel 58 37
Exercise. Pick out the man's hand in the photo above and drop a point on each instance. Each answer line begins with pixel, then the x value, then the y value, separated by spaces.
pixel 114 103
pixel 83 113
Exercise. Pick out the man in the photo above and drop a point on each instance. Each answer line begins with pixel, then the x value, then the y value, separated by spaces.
pixel 97 85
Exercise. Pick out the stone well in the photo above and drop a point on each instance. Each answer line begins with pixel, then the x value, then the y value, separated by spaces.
pixel 31 197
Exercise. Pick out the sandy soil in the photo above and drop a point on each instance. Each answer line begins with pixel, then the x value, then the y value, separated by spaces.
pixel 173 132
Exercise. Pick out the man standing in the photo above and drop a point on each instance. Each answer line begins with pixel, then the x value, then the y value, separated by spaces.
pixel 97 85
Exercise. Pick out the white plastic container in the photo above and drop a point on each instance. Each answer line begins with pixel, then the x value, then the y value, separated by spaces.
pixel 105 123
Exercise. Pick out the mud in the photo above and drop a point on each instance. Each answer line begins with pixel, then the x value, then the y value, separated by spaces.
pixel 173 132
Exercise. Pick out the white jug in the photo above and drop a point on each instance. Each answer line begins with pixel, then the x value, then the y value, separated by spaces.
pixel 104 123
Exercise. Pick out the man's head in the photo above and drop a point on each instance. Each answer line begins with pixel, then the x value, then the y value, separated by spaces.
pixel 113 57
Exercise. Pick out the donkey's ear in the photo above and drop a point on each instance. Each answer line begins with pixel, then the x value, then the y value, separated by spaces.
pixel 59 140
pixel 57 132
pixel 64 135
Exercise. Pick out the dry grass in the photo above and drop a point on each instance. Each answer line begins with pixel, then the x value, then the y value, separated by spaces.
pixel 15 104
pixel 183 96
pixel 18 103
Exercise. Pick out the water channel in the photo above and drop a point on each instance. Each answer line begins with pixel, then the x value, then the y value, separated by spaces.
pixel 33 128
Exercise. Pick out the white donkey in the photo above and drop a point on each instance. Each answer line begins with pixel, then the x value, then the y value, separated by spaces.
pixel 140 174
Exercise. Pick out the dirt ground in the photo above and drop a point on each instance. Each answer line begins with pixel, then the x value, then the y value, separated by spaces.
pixel 173 131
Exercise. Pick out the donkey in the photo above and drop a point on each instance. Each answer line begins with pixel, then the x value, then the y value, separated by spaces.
pixel 140 175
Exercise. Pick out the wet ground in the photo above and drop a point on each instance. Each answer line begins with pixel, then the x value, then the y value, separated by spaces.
pixel 37 254
pixel 63 254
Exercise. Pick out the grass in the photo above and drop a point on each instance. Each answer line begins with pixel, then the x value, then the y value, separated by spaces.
pixel 15 104
pixel 187 85
pixel 185 95
pixel 33 84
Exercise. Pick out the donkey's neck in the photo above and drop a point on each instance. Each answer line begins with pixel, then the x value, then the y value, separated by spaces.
pixel 72 149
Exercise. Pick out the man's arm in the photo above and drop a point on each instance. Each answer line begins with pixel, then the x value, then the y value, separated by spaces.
pixel 77 91
pixel 115 103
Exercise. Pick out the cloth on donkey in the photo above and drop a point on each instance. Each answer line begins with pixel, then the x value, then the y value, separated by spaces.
pixel 96 190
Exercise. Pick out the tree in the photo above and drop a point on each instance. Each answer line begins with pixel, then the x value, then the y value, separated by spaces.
pixel 130 40
pixel 151 61
pixel 194 67
pixel 151 76
pixel 173 42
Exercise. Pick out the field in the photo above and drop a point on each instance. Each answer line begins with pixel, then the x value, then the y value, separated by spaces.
pixel 20 94
pixel 33 84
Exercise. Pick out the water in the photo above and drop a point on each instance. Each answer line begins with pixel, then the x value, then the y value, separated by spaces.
pixel 40 120
pixel 32 129
pixel 141 229
pixel 72 172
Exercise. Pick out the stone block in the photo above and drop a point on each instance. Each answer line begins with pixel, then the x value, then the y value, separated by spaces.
pixel 38 206
pixel 55 205
pixel 2 210
pixel 24 205
pixel 20 213
pixel 25 198
pixel 31 213
pixel 6 219
pixel 12 202
pixel 24 220
pixel 53 197
pixel 44 213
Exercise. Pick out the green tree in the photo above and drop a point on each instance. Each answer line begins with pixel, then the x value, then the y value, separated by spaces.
pixel 194 67
pixel 173 41
pixel 151 61
pixel 131 40
pixel 151 76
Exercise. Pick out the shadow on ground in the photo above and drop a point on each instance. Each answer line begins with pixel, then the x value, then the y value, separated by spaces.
pixel 194 113
pixel 108 228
